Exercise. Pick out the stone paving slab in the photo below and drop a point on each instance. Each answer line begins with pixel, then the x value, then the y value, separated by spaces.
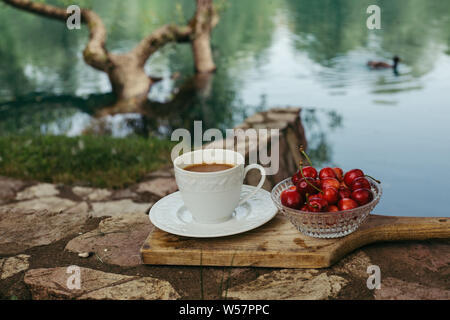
pixel 290 284
pixel 396 289
pixel 22 229
pixel 54 204
pixel 13 265
pixel 38 191
pixel 159 186
pixel 9 187
pixel 118 208
pixel 355 264
pixel 92 194
pixel 52 283
pixel 117 240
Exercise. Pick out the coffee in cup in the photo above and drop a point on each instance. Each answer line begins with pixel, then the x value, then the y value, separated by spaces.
pixel 210 182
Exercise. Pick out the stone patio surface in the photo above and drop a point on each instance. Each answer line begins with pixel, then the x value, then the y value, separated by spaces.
pixel 46 228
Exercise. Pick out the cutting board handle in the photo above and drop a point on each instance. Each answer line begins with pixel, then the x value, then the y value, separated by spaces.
pixel 387 228
pixel 379 228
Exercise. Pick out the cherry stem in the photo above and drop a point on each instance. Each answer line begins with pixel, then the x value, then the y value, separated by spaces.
pixel 306 180
pixel 373 178
pixel 302 151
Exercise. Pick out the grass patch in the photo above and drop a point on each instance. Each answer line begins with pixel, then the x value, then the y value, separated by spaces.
pixel 103 162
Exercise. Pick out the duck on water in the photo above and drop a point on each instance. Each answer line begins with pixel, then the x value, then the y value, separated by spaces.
pixel 380 65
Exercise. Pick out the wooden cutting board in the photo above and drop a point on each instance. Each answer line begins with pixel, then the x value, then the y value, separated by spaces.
pixel 279 244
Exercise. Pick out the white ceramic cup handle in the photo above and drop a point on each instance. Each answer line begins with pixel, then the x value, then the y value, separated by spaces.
pixel 261 182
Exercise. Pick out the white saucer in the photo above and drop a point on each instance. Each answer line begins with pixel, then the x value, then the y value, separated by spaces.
pixel 170 214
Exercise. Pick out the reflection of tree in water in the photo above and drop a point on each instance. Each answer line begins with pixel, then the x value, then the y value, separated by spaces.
pixel 202 97
pixel 327 28
pixel 33 113
pixel 197 98
pixel 317 130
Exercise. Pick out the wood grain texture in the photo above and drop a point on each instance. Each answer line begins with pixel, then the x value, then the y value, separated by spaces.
pixel 279 244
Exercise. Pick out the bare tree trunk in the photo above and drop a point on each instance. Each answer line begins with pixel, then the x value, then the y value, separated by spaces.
pixel 130 84
pixel 201 44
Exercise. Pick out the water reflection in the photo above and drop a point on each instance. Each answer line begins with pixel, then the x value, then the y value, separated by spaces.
pixel 49 114
pixel 196 98
pixel 328 29
pixel 319 125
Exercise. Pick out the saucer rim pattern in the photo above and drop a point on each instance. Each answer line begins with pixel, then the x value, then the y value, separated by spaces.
pixel 227 228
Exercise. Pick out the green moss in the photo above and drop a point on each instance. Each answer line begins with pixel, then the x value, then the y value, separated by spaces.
pixel 94 161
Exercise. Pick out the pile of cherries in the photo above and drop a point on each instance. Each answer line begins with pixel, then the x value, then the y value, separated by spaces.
pixel 330 190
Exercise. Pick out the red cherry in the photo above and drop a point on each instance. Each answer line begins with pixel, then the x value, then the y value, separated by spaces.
pixel 339 173
pixel 310 172
pixel 304 208
pixel 352 175
pixel 318 202
pixel 343 184
pixel 291 198
pixel 333 208
pixel 360 183
pixel 304 187
pixel 296 178
pixel 314 208
pixel 344 192
pixel 331 195
pixel 316 205
pixel 347 204
pixel 329 182
pixel 327 172
pixel 362 196
pixel 318 195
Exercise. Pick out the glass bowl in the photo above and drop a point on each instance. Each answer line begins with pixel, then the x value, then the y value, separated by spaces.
pixel 326 224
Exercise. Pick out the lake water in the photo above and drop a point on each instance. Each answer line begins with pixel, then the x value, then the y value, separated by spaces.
pixel 304 53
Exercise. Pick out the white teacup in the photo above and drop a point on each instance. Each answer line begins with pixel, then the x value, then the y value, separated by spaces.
pixel 211 197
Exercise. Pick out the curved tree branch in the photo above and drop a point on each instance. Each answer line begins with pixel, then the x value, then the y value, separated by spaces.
pixel 95 53
pixel 204 20
pixel 159 38
pixel 39 8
